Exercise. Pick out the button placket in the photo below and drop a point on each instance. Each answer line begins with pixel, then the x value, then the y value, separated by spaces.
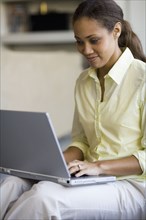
pixel 97 112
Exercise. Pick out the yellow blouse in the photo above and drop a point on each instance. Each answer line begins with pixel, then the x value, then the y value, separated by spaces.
pixel 116 127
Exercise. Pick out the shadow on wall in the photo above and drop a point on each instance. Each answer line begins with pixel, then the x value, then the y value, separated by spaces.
pixel 64 141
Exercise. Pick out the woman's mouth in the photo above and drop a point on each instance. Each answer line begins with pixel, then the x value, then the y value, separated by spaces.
pixel 92 59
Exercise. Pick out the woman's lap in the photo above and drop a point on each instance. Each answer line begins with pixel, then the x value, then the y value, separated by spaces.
pixel 11 187
pixel 117 200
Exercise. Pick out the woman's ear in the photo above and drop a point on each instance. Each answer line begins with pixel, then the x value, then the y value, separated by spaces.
pixel 117 30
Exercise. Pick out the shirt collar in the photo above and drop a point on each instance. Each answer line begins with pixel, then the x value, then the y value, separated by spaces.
pixel 119 69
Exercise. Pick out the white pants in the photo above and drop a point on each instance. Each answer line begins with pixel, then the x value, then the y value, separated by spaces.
pixel 50 201
pixel 11 188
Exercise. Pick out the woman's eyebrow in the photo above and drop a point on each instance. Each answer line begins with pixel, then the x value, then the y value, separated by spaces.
pixel 85 37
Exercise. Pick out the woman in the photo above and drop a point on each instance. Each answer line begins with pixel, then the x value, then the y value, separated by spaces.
pixel 109 128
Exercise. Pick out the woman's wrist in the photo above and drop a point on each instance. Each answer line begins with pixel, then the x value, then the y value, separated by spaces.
pixel 102 167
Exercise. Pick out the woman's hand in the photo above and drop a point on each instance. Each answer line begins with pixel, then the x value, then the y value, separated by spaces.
pixel 118 167
pixel 80 168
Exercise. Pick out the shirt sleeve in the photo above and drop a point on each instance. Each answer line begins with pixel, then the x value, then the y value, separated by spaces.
pixel 141 154
pixel 79 139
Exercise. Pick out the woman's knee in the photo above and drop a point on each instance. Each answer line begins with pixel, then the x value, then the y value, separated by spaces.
pixel 46 194
pixel 16 182
pixel 40 202
pixel 47 189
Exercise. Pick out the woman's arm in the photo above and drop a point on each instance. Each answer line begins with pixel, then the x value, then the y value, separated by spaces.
pixel 118 167
pixel 73 153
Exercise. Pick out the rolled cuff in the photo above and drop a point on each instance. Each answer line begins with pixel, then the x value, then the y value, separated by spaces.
pixel 141 156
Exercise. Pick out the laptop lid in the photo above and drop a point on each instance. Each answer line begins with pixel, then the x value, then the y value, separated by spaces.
pixel 29 148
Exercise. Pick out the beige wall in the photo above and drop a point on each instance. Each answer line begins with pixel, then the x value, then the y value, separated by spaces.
pixel 137 16
pixel 40 79
pixel 43 79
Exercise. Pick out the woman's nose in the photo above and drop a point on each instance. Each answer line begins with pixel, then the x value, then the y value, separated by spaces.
pixel 87 49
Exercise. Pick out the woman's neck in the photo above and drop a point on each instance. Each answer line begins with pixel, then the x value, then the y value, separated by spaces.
pixel 101 72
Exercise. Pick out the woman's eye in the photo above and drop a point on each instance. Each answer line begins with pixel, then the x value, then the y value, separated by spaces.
pixel 94 41
pixel 91 41
pixel 79 42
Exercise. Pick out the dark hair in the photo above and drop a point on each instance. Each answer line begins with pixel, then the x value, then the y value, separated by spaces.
pixel 108 12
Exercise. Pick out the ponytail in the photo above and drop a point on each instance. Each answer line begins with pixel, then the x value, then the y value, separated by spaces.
pixel 129 39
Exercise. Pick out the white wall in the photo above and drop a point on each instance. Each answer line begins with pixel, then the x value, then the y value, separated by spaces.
pixel 43 80
pixel 135 13
pixel 137 16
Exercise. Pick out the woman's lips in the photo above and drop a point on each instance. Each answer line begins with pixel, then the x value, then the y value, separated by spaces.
pixel 92 59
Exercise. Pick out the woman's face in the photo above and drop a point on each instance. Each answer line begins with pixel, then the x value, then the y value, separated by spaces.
pixel 96 43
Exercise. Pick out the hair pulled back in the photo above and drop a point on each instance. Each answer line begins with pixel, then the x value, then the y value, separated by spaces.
pixel 108 13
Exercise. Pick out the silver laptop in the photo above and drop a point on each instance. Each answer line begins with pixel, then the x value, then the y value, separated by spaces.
pixel 29 148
